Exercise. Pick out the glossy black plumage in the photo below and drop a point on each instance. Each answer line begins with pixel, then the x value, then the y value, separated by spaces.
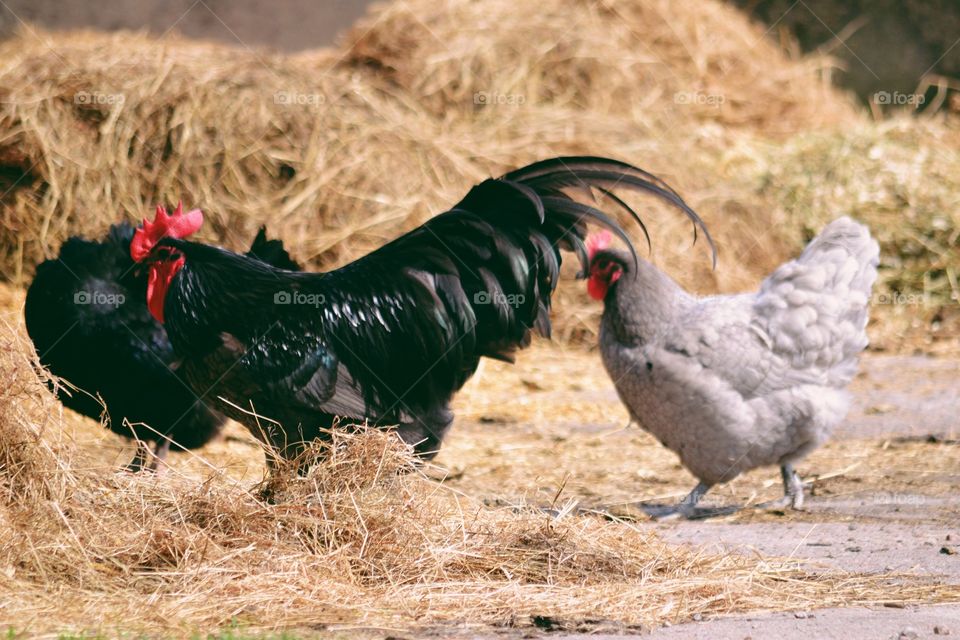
pixel 271 251
pixel 87 316
pixel 392 336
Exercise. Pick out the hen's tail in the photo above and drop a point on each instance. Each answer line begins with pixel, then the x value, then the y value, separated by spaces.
pixel 815 308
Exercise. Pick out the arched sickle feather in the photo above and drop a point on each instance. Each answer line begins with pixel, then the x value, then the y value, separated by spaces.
pixel 573 164
pixel 623 205
pixel 609 180
pixel 602 173
pixel 579 210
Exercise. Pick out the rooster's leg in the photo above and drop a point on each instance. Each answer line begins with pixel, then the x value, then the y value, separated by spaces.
pixel 139 458
pixel 792 490
pixel 159 455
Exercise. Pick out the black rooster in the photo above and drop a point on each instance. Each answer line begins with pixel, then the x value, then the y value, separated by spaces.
pixel 87 316
pixel 388 338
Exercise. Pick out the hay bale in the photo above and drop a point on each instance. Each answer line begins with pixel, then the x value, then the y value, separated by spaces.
pixel 102 127
pixel 341 151
pixel 661 64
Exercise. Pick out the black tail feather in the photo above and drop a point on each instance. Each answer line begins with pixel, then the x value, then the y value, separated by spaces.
pixel 581 212
pixel 625 207
pixel 553 176
pixel 505 237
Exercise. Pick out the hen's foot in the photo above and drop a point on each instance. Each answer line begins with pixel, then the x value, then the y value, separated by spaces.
pixel 687 508
pixel 792 491
pixel 664 512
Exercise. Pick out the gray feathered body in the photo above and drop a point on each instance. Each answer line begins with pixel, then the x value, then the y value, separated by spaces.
pixel 731 383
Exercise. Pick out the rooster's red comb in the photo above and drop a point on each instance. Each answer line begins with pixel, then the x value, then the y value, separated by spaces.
pixel 598 242
pixel 164 225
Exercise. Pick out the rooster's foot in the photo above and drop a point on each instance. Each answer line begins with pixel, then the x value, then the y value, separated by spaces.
pixel 146 460
pixel 139 462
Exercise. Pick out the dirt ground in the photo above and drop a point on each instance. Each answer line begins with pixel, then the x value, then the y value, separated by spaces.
pixel 286 25
pixel 827 624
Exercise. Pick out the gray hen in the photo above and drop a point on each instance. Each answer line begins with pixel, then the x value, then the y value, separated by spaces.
pixel 731 383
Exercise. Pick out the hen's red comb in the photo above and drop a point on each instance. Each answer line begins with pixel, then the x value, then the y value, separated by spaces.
pixel 598 242
pixel 164 225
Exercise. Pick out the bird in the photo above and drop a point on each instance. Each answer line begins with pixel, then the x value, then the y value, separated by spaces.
pixel 386 340
pixel 731 383
pixel 86 314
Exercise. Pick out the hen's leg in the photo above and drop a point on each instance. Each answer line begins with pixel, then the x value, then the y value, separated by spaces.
pixel 792 490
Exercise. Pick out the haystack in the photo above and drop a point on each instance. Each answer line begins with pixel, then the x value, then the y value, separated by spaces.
pixel 660 65
pixel 341 150
pixel 103 127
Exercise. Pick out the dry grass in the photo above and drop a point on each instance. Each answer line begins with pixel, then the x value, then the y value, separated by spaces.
pixel 364 541
pixel 900 178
